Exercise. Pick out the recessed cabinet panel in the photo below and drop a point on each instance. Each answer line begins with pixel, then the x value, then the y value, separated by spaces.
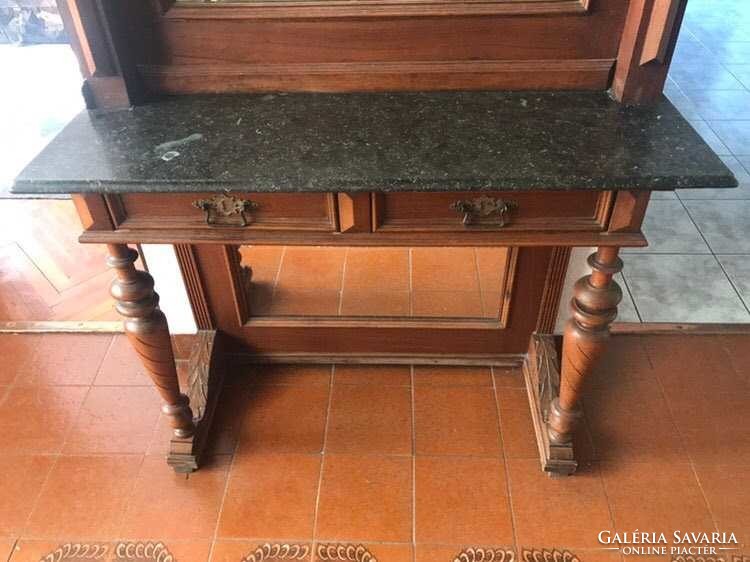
pixel 494 211
pixel 247 211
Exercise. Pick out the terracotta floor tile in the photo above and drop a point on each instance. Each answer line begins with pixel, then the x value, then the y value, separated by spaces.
pixel 389 375
pixel 462 500
pixel 271 496
pixel 619 432
pixel 34 550
pixel 190 551
pixel 367 302
pixel 384 269
pixel 325 552
pixel 234 550
pixel 63 359
pixel 674 498
pixel 292 301
pixel 516 427
pixel 284 419
pixel 160 493
pixel 727 490
pixel 21 478
pixel 370 419
pixel 534 492
pixel 508 377
pixel 298 375
pixel 624 360
pixel 441 375
pixel 36 419
pixel 444 269
pixel 264 262
pixel 17 351
pixel 365 498
pixel 115 419
pixel 84 497
pixel 738 349
pixel 312 268
pixel 456 421
pixel 691 367
pixel 446 304
pixel 713 427
pixel 121 366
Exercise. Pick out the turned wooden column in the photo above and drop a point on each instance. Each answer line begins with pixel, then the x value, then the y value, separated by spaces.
pixel 593 307
pixel 146 328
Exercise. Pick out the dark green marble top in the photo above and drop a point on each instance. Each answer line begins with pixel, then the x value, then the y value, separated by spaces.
pixel 377 142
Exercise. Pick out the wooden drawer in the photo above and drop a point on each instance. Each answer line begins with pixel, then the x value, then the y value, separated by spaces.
pixel 251 211
pixel 550 211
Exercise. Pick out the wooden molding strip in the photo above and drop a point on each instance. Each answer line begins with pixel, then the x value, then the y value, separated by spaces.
pixel 677 328
pixel 39 327
pixel 198 10
pixel 499 360
pixel 379 67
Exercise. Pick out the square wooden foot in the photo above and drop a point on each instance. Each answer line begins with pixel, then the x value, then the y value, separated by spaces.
pixel 206 368
pixel 541 371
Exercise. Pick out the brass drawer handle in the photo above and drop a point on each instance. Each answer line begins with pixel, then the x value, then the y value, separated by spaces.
pixel 226 210
pixel 475 210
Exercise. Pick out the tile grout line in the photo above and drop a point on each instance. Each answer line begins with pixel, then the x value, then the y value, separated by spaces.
pixel 716 259
pixel 683 442
pixel 514 526
pixel 224 494
pixel 412 393
pixel 314 537
pixel 632 298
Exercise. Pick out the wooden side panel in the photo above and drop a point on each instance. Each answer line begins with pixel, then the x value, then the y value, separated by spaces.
pixel 648 42
pixel 92 211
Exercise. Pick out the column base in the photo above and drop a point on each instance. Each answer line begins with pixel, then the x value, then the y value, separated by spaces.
pixel 206 368
pixel 541 371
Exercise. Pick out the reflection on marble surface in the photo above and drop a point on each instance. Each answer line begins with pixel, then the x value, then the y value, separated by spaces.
pixel 683 288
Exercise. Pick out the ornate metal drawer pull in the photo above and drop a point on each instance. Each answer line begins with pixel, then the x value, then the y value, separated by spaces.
pixel 484 207
pixel 226 210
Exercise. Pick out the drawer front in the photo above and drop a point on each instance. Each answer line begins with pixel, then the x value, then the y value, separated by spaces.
pixel 491 211
pixel 251 211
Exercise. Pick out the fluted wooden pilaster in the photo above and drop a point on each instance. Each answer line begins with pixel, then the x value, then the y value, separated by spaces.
pixel 593 307
pixel 147 330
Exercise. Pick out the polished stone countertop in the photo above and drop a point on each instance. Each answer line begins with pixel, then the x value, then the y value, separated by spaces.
pixel 451 141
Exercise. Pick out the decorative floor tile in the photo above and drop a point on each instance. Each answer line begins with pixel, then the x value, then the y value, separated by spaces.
pixel 724 224
pixel 682 288
pixel 669 230
pixel 738 270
